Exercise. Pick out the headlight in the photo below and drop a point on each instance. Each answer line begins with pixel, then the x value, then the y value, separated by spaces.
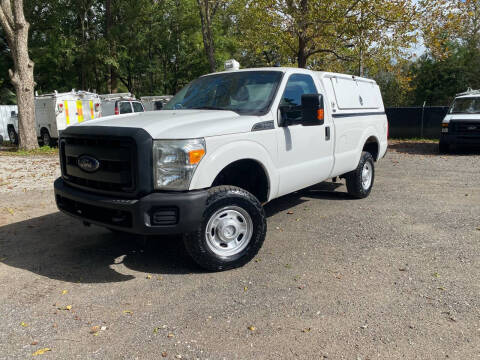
pixel 175 161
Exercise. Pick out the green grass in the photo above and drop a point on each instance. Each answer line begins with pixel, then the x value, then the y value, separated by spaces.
pixel 11 150
pixel 422 140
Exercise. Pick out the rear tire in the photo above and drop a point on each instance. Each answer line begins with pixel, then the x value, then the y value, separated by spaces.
pixel 46 139
pixel 360 181
pixel 13 136
pixel 232 230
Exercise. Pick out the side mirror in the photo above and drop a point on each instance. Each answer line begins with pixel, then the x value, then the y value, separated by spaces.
pixel 312 110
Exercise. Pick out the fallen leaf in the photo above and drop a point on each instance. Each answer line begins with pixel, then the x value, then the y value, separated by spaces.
pixel 41 351
pixel 178 356
pixel 10 210
pixel 159 277
pixel 23 324
pixel 164 354
pixel 148 276
pixel 170 335
pixel 301 287
pixel 245 288
pixel 155 331
pixel 306 330
pixel 68 307
pixel 128 312
pixel 435 274
pixel 290 212
pixel 441 288
pixel 94 329
pixel 35 342
pixel 64 292
pixel 252 328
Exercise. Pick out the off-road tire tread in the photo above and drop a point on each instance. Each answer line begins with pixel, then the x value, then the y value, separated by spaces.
pixel 195 242
pixel 354 178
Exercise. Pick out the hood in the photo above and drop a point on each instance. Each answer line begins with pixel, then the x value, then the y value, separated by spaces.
pixel 468 117
pixel 181 124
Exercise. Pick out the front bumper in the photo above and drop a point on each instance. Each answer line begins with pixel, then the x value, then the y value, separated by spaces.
pixel 154 214
pixel 460 139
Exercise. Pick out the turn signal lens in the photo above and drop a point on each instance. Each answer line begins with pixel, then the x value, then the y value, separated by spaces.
pixel 320 114
pixel 195 156
pixel 444 125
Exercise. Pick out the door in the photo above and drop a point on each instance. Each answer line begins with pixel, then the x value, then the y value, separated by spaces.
pixel 305 153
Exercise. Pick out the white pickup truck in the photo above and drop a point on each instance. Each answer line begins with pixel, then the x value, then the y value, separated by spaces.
pixel 224 146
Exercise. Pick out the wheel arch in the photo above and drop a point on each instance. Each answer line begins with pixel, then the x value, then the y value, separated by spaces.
pixel 247 155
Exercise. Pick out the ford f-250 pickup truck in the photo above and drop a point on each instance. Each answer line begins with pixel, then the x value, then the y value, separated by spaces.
pixel 224 146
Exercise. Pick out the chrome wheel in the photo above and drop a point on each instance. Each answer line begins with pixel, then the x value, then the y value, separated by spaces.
pixel 228 231
pixel 367 174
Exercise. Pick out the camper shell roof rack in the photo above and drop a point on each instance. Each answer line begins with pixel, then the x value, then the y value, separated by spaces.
pixel 117 96
pixel 73 92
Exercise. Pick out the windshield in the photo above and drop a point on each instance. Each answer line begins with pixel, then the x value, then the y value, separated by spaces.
pixel 245 92
pixel 466 106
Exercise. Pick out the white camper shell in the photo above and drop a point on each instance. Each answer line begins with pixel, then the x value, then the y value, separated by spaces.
pixel 121 103
pixel 55 112
pixel 154 103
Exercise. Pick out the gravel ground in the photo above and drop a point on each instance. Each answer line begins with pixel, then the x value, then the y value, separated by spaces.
pixel 393 276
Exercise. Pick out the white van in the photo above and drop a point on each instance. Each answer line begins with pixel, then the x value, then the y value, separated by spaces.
pixel 55 112
pixel 121 103
pixel 154 103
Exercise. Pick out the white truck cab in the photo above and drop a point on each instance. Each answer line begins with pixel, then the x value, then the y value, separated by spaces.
pixel 461 125
pixel 225 145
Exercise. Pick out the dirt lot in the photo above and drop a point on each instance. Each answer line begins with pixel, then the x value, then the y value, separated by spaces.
pixel 394 276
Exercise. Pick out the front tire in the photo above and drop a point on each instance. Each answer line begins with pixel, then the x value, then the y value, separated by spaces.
pixel 360 181
pixel 232 230
pixel 46 139
pixel 443 147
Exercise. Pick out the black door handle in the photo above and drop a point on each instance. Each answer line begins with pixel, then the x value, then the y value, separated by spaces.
pixel 327 133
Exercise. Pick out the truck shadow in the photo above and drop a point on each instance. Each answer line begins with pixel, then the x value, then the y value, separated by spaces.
pixel 431 148
pixel 59 247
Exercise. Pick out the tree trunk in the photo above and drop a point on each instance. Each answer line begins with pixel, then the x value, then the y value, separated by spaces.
pixel 302 54
pixel 206 20
pixel 112 82
pixel 16 29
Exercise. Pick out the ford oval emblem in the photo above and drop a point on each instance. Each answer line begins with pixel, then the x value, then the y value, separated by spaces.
pixel 88 163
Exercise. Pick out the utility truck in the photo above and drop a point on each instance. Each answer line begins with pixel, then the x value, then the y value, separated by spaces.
pixel 223 147
pixel 154 103
pixel 461 125
pixel 120 103
pixel 56 111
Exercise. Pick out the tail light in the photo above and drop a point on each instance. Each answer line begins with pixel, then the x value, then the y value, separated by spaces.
pixel 117 112
pixel 97 107
pixel 60 107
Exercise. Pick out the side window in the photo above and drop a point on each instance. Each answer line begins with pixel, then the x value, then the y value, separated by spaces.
pixel 125 107
pixel 137 107
pixel 297 85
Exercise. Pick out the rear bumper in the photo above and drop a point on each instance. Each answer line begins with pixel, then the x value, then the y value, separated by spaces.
pixel 153 214
pixel 460 139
